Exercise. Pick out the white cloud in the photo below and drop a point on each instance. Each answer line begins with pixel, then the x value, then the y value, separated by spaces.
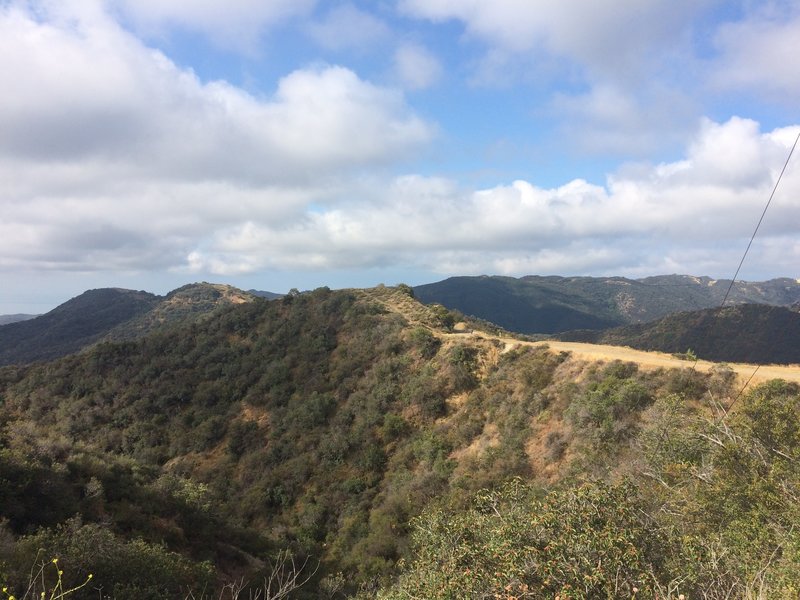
pixel 693 215
pixel 416 66
pixel 609 64
pixel 609 119
pixel 233 23
pixel 755 55
pixel 345 26
pixel 97 92
pixel 606 36
pixel 113 157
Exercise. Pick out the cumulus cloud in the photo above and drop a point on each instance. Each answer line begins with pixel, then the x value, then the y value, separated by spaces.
pixel 606 36
pixel 609 119
pixel 693 215
pixel 100 133
pixel 113 157
pixel 98 92
pixel 416 66
pixel 610 60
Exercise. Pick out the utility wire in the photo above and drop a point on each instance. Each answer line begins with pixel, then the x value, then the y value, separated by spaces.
pixel 752 237
pixel 741 262
pixel 726 410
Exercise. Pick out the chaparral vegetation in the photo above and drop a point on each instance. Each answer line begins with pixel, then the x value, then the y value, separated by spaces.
pixel 358 444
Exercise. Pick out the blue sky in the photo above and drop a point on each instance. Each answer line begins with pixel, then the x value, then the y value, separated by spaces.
pixel 273 144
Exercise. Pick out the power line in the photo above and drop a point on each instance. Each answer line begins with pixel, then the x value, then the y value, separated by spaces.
pixel 741 262
pixel 752 237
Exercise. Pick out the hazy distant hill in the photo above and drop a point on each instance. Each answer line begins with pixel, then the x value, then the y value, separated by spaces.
pixel 110 314
pixel 753 333
pixel 265 295
pixel 536 304
pixel 6 319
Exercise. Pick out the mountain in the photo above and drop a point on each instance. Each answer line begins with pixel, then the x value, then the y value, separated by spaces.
pixel 110 314
pixel 384 454
pixel 265 295
pixel 71 326
pixel 753 333
pixel 187 304
pixel 535 304
pixel 6 319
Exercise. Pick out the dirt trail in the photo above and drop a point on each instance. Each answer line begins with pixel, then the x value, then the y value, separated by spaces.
pixel 419 314
pixel 652 360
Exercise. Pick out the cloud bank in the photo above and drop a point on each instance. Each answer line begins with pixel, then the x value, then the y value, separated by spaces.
pixel 113 157
pixel 694 215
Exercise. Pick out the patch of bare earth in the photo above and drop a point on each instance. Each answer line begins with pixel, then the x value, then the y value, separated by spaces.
pixel 548 448
pixel 255 414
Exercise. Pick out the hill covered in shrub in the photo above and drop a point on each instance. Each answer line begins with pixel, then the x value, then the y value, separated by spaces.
pixel 390 456
pixel 752 333
pixel 110 314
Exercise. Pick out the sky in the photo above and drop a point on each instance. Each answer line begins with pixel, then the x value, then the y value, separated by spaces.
pixel 277 144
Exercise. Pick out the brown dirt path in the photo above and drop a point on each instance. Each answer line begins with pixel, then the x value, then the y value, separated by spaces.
pixel 655 360
pixel 419 314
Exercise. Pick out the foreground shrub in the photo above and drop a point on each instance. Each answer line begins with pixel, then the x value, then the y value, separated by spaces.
pixel 123 570
pixel 593 541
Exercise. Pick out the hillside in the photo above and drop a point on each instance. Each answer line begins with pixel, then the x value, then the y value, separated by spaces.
pixel 744 333
pixel 536 304
pixel 110 314
pixel 71 326
pixel 354 428
pixel 187 304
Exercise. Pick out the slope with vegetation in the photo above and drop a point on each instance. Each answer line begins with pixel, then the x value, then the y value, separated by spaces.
pixel 393 458
pixel 71 326
pixel 743 333
pixel 110 314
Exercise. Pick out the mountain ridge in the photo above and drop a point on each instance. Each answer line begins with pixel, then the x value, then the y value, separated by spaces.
pixel 111 314
pixel 552 304
pixel 529 305
pixel 15 318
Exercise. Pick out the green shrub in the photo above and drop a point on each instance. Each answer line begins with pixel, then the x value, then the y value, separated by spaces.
pixel 594 541
pixel 123 570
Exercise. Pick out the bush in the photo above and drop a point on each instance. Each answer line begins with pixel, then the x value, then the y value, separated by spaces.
pixel 608 409
pixel 123 570
pixel 594 541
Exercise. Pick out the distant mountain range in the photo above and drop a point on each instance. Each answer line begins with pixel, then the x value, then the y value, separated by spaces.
pixel 111 314
pixel 549 305
pixel 6 319
pixel 649 314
